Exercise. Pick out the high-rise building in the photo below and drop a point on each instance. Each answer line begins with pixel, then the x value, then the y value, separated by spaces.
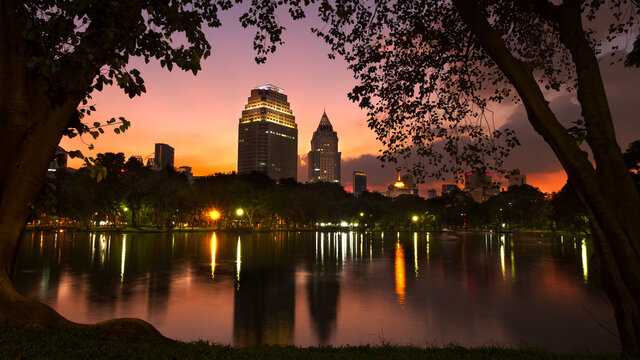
pixel 432 194
pixel 138 158
pixel 58 162
pixel 268 135
pixel 359 182
pixel 516 178
pixel 186 170
pixel 324 157
pixel 163 156
pixel 449 188
pixel 479 185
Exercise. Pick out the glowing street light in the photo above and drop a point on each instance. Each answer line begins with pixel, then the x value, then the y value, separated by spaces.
pixel 361 214
pixel 214 215
pixel 239 212
pixel 414 218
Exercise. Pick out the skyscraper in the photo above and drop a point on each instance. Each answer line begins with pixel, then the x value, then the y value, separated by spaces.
pixel 517 179
pixel 324 157
pixel 268 135
pixel 163 156
pixel 479 185
pixel 359 182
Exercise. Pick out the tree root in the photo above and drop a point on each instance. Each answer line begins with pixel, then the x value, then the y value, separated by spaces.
pixel 18 310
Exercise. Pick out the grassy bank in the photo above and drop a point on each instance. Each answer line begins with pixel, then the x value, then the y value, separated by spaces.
pixel 16 343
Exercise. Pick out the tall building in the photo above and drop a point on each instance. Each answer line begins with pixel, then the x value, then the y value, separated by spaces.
pixel 432 194
pixel 449 188
pixel 268 135
pixel 359 182
pixel 479 184
pixel 138 158
pixel 404 186
pixel 163 156
pixel 186 170
pixel 516 178
pixel 324 157
pixel 58 162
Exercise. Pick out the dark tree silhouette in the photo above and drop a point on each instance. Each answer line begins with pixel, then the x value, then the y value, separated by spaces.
pixel 54 55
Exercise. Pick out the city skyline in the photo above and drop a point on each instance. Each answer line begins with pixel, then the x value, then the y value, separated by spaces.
pixel 197 115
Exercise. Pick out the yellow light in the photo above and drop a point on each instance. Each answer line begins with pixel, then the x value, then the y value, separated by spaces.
pixel 214 245
pixel 239 212
pixel 361 214
pixel 585 264
pixel 214 214
pixel 400 279
pixel 502 259
pixel 399 184
pixel 414 218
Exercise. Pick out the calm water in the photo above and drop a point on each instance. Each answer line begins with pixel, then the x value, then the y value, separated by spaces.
pixel 328 288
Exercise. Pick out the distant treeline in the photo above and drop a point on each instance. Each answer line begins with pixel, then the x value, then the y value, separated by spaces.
pixel 135 196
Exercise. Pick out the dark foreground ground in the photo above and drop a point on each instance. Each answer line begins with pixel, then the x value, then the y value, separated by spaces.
pixel 16 343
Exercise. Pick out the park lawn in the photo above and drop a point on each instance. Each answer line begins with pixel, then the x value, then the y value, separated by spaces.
pixel 73 343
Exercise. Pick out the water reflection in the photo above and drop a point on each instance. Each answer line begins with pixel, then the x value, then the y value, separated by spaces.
pixel 326 288
pixel 400 280
pixel 214 244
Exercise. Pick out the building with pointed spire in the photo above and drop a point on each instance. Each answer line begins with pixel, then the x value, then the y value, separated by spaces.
pixel 324 157
pixel 268 135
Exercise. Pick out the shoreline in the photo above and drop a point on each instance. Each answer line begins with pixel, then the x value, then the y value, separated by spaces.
pixel 73 343
pixel 323 229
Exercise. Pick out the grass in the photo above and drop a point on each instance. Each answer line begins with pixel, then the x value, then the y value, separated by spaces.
pixel 70 343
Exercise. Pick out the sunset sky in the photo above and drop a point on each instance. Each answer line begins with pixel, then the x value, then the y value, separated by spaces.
pixel 198 115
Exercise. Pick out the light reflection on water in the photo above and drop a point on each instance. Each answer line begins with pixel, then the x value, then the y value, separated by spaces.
pixel 327 288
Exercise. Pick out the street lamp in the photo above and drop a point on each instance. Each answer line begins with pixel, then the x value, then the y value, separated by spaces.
pixel 414 218
pixel 214 214
pixel 239 212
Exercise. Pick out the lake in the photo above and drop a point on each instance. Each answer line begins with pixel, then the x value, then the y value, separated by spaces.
pixel 336 288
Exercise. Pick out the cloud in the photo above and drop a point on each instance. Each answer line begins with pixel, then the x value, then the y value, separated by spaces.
pixel 377 175
pixel 622 86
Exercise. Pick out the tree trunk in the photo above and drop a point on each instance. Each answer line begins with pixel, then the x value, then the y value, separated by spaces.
pixel 607 191
pixel 31 127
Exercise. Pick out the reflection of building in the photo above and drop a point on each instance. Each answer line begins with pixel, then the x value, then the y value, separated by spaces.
pixel 59 160
pixel 268 135
pixel 404 186
pixel 359 182
pixel 448 188
pixel 265 296
pixel 431 194
pixel 163 157
pixel 517 179
pixel 479 185
pixel 186 170
pixel 323 286
pixel 324 157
